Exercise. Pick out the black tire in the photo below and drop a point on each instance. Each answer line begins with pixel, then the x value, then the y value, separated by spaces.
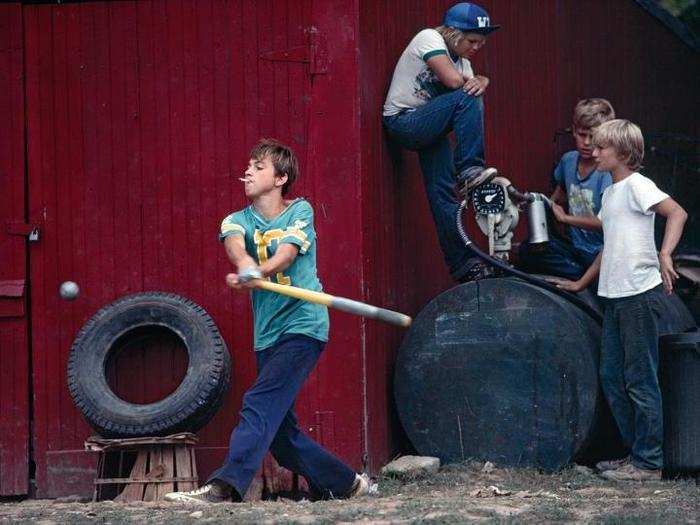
pixel 189 407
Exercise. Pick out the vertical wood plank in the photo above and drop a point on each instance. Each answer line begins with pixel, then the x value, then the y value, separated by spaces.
pixel 49 204
pixel 73 190
pixel 178 148
pixel 32 50
pixel 183 467
pixel 135 491
pixel 60 175
pixel 118 16
pixel 154 461
pixel 150 144
pixel 163 176
pixel 168 462
pixel 266 69
pixel 14 345
pixel 193 233
pixel 278 37
pixel 219 180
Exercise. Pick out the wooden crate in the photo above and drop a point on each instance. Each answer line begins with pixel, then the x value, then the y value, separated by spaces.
pixel 143 469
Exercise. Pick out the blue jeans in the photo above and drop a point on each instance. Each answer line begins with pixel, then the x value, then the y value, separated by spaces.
pixel 629 358
pixel 268 422
pixel 558 257
pixel 425 130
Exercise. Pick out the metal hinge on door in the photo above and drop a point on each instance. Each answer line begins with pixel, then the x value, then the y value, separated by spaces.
pixel 315 53
pixel 30 231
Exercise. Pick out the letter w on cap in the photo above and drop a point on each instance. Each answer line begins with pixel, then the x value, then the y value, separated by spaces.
pixel 483 21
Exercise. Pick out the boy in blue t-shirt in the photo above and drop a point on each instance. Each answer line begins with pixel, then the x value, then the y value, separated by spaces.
pixel 578 183
pixel 276 236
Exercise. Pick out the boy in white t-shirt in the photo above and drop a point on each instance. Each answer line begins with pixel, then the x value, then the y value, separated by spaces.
pixel 632 275
pixel 433 92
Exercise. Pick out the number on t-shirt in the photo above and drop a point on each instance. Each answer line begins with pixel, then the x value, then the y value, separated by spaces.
pixel 262 242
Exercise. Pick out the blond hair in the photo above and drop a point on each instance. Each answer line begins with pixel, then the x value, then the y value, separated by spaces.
pixel 590 113
pixel 451 35
pixel 282 158
pixel 625 137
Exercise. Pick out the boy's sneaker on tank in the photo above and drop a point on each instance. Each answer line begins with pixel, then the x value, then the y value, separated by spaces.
pixel 360 487
pixel 612 464
pixel 210 493
pixel 631 473
pixel 476 272
pixel 473 177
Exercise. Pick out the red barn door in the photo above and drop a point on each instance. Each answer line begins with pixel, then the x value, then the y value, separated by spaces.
pixel 140 116
pixel 14 345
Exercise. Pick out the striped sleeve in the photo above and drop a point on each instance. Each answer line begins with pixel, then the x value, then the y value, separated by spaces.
pixel 231 226
pixel 300 230
pixel 429 43
pixel 433 53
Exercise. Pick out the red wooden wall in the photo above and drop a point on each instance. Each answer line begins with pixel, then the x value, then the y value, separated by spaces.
pixel 547 56
pixel 139 116
pixel 140 119
pixel 14 347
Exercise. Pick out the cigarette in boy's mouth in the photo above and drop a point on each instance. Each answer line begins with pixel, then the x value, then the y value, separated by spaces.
pixel 244 180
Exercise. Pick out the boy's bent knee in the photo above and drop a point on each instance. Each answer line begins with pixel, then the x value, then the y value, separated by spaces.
pixel 467 99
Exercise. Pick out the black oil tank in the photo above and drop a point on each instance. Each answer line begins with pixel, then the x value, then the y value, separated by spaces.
pixel 506 371
pixel 499 370
pixel 679 374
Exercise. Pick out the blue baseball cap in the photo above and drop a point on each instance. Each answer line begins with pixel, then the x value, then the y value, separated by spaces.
pixel 469 18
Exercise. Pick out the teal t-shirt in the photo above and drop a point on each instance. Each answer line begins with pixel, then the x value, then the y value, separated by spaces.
pixel 274 314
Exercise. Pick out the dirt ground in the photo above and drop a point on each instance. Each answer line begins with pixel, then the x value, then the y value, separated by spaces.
pixel 456 494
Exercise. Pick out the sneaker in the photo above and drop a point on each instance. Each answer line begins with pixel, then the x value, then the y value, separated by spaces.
pixel 631 473
pixel 477 271
pixel 466 182
pixel 360 487
pixel 209 493
pixel 612 464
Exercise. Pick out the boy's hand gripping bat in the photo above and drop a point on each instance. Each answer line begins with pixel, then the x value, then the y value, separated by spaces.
pixel 340 303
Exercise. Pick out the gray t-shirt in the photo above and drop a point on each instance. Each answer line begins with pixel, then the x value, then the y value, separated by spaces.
pixel 414 83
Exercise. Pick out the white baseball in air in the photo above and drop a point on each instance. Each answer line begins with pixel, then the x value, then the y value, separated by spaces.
pixel 68 290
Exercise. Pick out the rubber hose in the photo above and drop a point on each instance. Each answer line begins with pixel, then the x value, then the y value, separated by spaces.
pixel 493 261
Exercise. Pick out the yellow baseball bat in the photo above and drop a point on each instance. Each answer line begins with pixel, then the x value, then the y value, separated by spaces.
pixel 339 303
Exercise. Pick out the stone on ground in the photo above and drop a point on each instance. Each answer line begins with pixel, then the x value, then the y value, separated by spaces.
pixel 411 467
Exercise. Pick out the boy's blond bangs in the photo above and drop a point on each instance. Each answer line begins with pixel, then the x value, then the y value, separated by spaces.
pixel 627 139
pixel 590 113
pixel 451 35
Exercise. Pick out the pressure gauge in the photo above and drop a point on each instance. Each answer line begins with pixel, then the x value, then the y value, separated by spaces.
pixel 489 199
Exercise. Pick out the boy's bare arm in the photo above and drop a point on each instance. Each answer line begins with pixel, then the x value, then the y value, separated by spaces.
pixel 281 260
pixel 558 198
pixel 237 254
pixel 586 222
pixel 476 85
pixel 444 69
pixel 558 195
pixel 448 75
pixel 585 280
pixel 675 220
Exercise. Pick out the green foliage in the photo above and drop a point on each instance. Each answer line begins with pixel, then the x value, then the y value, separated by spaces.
pixel 687 11
pixel 677 7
